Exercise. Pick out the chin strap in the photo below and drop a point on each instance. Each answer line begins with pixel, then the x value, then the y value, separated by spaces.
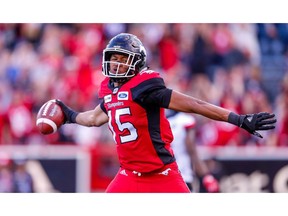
pixel 119 80
pixel 122 79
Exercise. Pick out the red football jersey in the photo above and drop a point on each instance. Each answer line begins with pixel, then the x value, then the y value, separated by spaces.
pixel 140 129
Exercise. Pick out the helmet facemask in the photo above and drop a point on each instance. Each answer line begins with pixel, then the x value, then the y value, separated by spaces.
pixel 132 63
pixel 130 46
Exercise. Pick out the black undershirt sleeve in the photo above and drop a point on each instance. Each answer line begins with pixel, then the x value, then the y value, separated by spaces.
pixel 103 107
pixel 152 92
pixel 160 97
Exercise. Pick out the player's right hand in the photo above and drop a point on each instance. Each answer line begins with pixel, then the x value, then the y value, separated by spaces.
pixel 70 114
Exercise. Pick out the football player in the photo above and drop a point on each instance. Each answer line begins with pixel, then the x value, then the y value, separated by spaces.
pixel 134 100
pixel 185 151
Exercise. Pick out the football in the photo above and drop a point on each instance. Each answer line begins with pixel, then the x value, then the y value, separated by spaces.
pixel 50 117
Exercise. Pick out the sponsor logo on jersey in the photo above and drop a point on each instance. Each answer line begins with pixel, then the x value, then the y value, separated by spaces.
pixel 123 95
pixel 107 98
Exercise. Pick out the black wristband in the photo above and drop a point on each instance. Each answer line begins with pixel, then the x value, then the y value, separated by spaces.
pixel 234 118
pixel 70 114
pixel 73 116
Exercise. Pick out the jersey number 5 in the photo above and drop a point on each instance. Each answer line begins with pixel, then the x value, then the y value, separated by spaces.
pixel 122 126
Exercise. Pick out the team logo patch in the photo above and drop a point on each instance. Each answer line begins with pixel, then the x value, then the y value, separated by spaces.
pixel 123 95
pixel 107 98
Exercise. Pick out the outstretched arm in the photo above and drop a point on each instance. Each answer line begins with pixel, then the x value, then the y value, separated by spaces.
pixel 89 118
pixel 249 122
pixel 185 103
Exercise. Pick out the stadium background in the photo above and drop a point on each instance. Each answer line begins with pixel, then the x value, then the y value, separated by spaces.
pixel 242 67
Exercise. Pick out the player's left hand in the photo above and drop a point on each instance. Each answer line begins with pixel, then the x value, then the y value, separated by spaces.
pixel 253 122
pixel 257 121
pixel 210 183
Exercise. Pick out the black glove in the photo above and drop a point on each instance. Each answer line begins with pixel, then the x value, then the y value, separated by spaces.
pixel 253 122
pixel 70 115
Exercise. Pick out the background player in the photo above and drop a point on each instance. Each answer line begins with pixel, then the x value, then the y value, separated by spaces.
pixel 134 99
pixel 186 154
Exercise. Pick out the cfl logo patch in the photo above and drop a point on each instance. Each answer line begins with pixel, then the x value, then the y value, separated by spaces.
pixel 123 95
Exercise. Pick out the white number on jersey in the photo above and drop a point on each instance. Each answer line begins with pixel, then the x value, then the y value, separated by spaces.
pixel 123 125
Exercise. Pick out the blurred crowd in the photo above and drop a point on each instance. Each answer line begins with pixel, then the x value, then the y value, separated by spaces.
pixel 14 177
pixel 242 67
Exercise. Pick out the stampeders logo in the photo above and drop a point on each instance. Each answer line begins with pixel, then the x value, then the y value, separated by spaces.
pixel 111 105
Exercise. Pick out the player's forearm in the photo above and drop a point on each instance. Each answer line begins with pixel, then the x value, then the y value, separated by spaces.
pixel 185 103
pixel 91 118
pixel 85 118
pixel 210 111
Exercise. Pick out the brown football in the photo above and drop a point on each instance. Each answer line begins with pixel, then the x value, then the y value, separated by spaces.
pixel 50 117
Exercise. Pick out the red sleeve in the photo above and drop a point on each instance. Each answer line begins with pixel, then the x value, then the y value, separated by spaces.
pixel 103 88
